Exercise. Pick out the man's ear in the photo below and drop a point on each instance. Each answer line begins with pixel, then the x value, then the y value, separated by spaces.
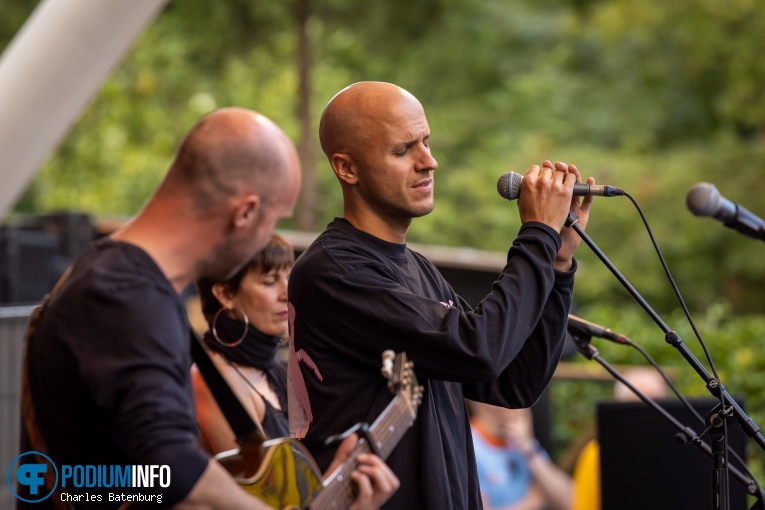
pixel 223 295
pixel 246 210
pixel 345 168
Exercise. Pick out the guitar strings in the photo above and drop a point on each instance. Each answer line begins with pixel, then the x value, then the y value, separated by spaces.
pixel 395 413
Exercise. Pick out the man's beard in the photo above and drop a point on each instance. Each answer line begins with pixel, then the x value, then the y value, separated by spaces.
pixel 405 211
pixel 224 262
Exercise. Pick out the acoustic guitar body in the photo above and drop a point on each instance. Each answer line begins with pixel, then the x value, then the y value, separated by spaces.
pixel 282 473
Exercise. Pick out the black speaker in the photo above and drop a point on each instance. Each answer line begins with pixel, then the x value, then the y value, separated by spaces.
pixel 30 264
pixel 36 251
pixel 643 465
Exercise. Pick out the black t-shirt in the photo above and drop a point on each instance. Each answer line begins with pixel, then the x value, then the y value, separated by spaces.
pixel 354 295
pixel 109 372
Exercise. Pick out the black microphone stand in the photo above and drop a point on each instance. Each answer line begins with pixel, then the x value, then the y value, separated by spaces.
pixel 685 434
pixel 714 385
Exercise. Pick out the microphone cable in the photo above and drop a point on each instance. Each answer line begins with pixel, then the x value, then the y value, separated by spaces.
pixel 676 290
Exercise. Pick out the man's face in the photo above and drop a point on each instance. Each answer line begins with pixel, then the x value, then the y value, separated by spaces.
pixel 396 167
pixel 232 254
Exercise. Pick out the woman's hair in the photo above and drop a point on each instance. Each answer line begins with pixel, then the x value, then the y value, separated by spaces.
pixel 278 254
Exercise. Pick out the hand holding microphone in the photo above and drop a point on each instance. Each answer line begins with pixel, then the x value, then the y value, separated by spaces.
pixel 547 198
pixel 509 187
pixel 547 195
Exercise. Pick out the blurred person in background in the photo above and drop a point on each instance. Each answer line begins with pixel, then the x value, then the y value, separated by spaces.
pixel 514 471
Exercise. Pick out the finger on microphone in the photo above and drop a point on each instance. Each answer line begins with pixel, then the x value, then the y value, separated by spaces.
pixel 533 170
pixel 546 172
pixel 561 176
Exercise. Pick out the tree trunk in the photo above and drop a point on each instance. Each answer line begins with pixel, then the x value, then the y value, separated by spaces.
pixel 307 208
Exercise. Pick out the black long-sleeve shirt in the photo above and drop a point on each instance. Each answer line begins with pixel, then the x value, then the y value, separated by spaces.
pixel 354 295
pixel 109 372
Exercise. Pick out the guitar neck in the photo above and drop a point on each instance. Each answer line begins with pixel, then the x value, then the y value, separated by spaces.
pixel 385 433
pixel 390 426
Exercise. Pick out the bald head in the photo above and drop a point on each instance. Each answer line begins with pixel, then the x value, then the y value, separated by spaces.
pixel 351 118
pixel 231 151
pixel 235 175
pixel 647 380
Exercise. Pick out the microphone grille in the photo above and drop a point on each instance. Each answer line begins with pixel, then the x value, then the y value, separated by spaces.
pixel 509 185
pixel 703 199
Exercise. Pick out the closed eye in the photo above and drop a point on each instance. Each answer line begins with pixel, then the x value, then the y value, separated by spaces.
pixel 403 149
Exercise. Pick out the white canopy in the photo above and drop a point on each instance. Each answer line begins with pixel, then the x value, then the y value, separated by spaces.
pixel 49 72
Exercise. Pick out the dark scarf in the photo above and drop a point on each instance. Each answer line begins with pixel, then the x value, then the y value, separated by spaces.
pixel 256 350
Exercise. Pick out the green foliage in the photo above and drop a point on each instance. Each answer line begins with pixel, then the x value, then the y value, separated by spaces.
pixel 12 17
pixel 647 95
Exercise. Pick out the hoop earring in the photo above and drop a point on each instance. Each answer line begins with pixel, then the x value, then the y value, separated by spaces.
pixel 215 332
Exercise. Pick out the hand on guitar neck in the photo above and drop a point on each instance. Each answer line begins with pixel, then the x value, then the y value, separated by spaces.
pixel 380 437
pixel 375 482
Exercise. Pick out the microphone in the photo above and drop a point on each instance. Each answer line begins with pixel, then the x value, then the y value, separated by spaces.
pixel 509 187
pixel 703 199
pixel 577 326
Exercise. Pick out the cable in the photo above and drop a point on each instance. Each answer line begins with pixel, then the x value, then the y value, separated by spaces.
pixel 674 287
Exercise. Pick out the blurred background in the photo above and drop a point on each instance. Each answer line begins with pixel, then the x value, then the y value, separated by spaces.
pixel 647 95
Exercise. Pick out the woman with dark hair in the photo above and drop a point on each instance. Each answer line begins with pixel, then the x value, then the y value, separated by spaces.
pixel 247 318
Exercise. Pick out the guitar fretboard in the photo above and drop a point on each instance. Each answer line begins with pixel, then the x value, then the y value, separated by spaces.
pixel 385 432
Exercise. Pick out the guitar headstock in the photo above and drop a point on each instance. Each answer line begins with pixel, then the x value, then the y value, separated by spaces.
pixel 401 379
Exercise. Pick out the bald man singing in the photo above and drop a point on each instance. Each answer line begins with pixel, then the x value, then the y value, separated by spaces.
pixel 108 363
pixel 359 290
